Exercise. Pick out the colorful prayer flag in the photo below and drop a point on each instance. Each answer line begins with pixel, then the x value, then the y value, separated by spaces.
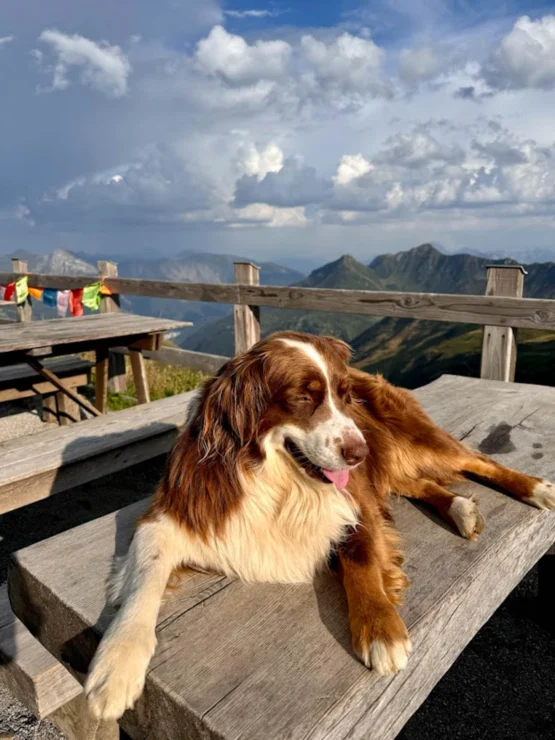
pixel 91 296
pixel 62 302
pixel 105 290
pixel 50 297
pixel 21 289
pixel 9 292
pixel 36 293
pixel 76 302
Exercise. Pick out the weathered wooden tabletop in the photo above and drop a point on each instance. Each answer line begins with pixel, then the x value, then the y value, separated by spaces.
pixel 269 661
pixel 25 336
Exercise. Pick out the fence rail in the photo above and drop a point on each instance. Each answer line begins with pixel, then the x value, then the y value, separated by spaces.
pixel 500 311
pixel 525 313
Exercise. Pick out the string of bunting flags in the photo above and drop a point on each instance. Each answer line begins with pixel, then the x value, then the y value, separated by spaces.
pixel 62 300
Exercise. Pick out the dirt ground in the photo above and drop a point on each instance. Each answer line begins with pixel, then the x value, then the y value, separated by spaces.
pixel 501 688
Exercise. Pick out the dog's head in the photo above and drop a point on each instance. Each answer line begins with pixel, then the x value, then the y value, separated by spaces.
pixel 291 391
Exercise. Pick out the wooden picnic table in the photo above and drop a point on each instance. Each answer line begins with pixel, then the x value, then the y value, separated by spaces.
pixel 274 661
pixel 32 341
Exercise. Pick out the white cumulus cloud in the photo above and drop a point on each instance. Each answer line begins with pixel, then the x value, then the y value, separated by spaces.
pixel 5 40
pixel 230 57
pixel 347 63
pixel 525 57
pixel 102 67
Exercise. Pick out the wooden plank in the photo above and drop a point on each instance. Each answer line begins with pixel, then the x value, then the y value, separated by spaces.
pixel 499 343
pixel 111 304
pixel 69 456
pixel 64 367
pixel 281 665
pixel 200 361
pixel 60 385
pixel 139 375
pixel 68 411
pixel 24 311
pixel 50 409
pixel 30 672
pixel 527 313
pixel 246 318
pixel 40 388
pixel 101 381
pixel 76 723
pixel 23 337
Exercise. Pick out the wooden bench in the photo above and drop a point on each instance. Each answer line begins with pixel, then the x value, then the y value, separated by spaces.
pixel 31 470
pixel 274 661
pixel 21 381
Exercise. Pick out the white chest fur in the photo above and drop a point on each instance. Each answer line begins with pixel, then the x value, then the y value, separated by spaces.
pixel 285 528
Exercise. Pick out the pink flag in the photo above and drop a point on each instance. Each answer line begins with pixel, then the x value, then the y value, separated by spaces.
pixel 62 302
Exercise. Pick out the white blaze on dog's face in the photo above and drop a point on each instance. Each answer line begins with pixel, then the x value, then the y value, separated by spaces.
pixel 309 414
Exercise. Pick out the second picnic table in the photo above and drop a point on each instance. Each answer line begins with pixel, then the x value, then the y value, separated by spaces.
pixel 32 342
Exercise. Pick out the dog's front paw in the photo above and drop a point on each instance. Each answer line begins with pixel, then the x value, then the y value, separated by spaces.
pixel 543 495
pixel 117 674
pixel 381 641
pixel 466 516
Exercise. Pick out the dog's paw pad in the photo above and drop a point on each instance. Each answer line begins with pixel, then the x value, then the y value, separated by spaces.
pixel 466 516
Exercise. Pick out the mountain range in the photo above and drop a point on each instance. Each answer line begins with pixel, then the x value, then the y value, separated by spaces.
pixel 408 352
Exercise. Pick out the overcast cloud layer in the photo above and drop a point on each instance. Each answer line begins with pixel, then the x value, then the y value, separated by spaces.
pixel 272 130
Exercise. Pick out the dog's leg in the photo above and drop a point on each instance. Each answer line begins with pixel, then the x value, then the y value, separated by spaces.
pixel 117 672
pixel 380 638
pixel 460 512
pixel 534 491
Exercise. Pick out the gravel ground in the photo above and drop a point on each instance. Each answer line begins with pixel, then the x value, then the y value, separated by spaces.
pixel 19 418
pixel 501 688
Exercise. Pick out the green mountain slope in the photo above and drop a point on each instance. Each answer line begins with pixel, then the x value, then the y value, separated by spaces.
pixel 344 273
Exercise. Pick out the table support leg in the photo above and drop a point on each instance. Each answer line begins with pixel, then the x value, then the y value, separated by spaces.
pixel 68 410
pixel 139 375
pixel 50 408
pixel 101 395
pixel 74 720
pixel 52 378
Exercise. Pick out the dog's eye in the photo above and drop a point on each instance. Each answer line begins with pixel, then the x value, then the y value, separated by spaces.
pixel 304 399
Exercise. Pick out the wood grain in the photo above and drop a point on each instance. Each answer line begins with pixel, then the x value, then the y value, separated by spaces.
pixel 24 311
pixel 139 375
pixel 528 313
pixel 270 661
pixel 101 380
pixel 68 456
pixel 498 360
pixel 30 672
pixel 21 381
pixel 58 332
pixel 110 304
pixel 246 319
pixel 61 385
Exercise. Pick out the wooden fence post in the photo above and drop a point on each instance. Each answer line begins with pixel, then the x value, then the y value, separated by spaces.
pixel 109 304
pixel 499 342
pixel 246 318
pixel 25 311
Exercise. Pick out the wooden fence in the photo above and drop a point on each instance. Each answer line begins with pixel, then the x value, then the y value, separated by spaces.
pixel 500 311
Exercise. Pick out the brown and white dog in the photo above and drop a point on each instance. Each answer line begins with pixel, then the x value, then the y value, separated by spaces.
pixel 289 455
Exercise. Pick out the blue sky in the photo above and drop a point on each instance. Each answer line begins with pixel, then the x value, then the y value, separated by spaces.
pixel 276 129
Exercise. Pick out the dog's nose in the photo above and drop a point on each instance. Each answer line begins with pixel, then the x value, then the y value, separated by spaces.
pixel 354 449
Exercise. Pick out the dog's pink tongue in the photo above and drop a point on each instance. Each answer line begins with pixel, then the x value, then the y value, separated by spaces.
pixel 339 477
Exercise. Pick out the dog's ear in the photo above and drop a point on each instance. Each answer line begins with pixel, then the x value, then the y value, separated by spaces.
pixel 233 404
pixel 339 347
